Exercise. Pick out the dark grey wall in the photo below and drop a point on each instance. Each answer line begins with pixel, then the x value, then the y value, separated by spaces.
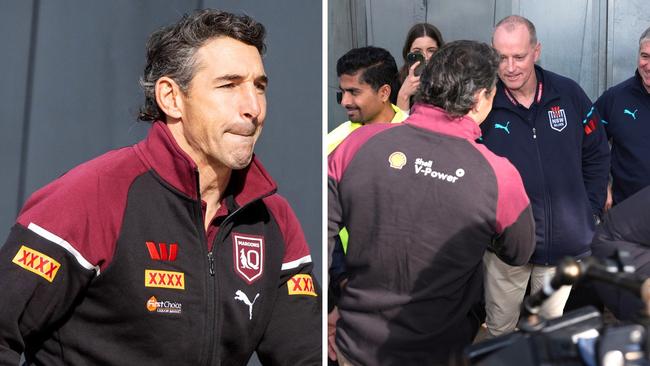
pixel 594 42
pixel 69 92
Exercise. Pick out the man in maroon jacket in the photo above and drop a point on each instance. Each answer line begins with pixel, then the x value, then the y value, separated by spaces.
pixel 174 251
pixel 422 201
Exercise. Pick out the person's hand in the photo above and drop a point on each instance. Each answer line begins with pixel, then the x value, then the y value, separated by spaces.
pixel 408 89
pixel 332 318
pixel 645 295
pixel 608 201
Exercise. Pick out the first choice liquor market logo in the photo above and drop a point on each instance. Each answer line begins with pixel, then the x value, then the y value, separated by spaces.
pixel 169 307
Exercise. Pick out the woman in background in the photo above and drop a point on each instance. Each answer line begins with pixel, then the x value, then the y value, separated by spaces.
pixel 423 38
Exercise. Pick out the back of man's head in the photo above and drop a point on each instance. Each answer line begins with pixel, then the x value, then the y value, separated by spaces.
pixel 455 73
pixel 377 65
pixel 171 50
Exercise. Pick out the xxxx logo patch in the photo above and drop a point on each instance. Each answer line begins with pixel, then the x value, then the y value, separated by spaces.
pixel 164 279
pixel 301 284
pixel 37 262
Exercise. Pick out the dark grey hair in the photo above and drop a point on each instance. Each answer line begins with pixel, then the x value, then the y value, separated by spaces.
pixel 510 21
pixel 171 50
pixel 645 36
pixel 455 73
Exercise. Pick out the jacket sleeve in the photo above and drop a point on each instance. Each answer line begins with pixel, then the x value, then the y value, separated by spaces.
pixel 602 106
pixel 514 241
pixel 40 279
pixel 293 335
pixel 595 157
pixel 334 217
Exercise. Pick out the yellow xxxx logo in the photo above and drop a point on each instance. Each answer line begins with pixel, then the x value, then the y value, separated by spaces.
pixel 36 262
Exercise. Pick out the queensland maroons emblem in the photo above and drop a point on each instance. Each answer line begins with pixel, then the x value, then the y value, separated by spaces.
pixel 248 255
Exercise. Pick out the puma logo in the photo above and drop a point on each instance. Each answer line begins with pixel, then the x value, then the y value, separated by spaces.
pixel 241 296
pixel 633 114
pixel 505 128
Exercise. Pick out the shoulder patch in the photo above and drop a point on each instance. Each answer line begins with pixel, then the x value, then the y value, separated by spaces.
pixel 37 263
pixel 301 284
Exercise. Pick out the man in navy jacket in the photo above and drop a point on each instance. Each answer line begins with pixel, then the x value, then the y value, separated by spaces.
pixel 625 112
pixel 545 125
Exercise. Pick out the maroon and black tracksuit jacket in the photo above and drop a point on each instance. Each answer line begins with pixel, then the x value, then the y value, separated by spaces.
pixel 421 202
pixel 111 265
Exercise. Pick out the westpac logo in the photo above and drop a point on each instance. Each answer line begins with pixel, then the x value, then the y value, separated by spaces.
pixel 248 255
pixel 164 279
pixel 425 167
pixel 37 262
pixel 165 306
pixel 301 284
pixel 160 253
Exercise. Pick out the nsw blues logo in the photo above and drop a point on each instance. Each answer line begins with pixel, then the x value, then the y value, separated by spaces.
pixel 557 118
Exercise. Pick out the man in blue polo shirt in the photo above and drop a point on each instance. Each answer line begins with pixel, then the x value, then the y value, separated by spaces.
pixel 546 126
pixel 625 112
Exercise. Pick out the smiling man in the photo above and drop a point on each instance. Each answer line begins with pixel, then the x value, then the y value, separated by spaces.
pixel 366 78
pixel 176 250
pixel 626 110
pixel 545 125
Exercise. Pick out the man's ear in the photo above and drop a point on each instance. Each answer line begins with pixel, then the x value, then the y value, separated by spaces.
pixel 384 92
pixel 537 51
pixel 168 97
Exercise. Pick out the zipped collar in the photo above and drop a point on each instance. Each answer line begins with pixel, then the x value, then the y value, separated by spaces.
pixel 638 84
pixel 544 93
pixel 437 120
pixel 160 152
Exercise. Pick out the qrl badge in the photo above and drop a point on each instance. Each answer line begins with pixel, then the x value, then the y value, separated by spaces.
pixel 248 255
pixel 557 118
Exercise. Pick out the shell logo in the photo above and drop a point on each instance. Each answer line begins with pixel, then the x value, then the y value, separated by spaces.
pixel 397 160
pixel 152 303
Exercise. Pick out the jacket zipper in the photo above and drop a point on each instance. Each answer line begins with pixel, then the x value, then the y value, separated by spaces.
pixel 210 293
pixel 547 203
pixel 212 279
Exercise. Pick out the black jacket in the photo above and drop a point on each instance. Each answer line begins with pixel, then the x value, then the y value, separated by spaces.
pixel 627 227
pixel 110 265
pixel 625 110
pixel 421 202
pixel 559 147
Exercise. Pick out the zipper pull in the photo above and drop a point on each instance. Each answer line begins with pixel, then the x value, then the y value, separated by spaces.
pixel 534 133
pixel 211 263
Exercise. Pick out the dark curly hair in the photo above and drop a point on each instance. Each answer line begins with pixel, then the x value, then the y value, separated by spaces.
pixel 378 65
pixel 455 73
pixel 171 50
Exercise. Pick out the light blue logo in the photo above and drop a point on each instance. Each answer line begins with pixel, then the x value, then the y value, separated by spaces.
pixel 633 114
pixel 505 128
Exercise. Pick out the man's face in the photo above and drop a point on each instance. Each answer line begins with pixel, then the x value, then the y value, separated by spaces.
pixel 225 105
pixel 518 56
pixel 361 102
pixel 644 64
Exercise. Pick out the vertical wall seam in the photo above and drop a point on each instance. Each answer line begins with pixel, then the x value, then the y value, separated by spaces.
pixel 582 44
pixel 370 31
pixel 27 107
